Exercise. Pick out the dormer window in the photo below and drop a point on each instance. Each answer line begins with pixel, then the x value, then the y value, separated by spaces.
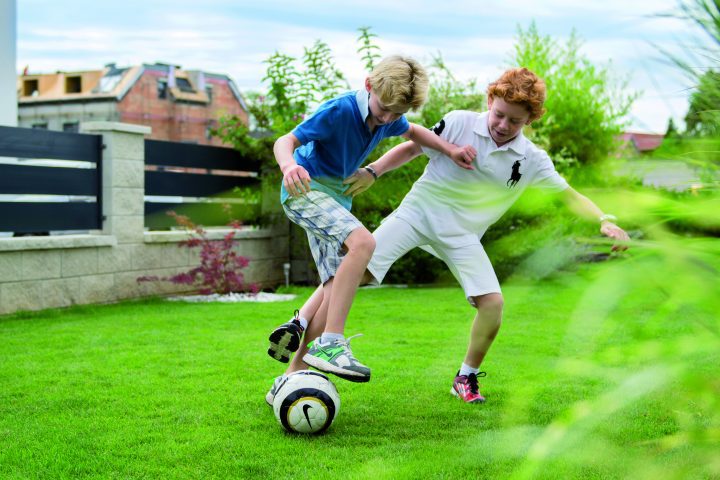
pixel 184 85
pixel 109 82
pixel 73 84
pixel 30 87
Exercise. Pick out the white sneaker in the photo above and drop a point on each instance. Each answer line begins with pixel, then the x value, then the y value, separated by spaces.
pixel 273 390
pixel 336 357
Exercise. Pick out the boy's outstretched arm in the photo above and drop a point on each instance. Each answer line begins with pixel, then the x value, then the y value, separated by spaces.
pixel 462 156
pixel 393 158
pixel 586 208
pixel 295 178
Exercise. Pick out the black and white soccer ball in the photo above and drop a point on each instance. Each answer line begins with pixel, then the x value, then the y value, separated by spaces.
pixel 306 402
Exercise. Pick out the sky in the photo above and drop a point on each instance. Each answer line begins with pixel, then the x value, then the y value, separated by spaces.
pixel 475 38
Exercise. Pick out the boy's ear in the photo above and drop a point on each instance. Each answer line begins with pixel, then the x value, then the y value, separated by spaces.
pixel 368 86
pixel 489 102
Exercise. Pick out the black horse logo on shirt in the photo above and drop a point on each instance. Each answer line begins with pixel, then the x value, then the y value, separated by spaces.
pixel 515 175
pixel 439 127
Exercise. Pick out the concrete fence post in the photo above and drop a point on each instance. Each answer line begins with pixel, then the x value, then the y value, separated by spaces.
pixel 123 179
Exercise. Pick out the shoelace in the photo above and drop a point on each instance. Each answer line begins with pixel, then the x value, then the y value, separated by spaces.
pixel 346 342
pixel 473 381
pixel 296 320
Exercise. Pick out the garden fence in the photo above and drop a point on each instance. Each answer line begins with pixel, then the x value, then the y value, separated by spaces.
pixel 49 181
pixel 102 195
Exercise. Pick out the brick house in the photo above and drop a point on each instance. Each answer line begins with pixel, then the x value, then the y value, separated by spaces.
pixel 179 105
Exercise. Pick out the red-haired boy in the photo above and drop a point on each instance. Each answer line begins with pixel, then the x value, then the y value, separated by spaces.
pixel 448 209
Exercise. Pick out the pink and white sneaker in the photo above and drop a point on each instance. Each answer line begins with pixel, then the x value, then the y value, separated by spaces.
pixel 467 389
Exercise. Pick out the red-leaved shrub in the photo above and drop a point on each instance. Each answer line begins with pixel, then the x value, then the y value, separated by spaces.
pixel 220 266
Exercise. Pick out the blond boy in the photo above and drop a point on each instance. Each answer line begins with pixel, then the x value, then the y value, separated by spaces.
pixel 315 158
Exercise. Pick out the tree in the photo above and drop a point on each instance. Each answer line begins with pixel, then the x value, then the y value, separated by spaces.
pixel 700 65
pixel 703 116
pixel 585 105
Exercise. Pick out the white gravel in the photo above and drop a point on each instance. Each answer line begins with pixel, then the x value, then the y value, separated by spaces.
pixel 235 297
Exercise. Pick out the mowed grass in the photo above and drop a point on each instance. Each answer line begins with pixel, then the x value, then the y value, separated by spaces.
pixel 611 371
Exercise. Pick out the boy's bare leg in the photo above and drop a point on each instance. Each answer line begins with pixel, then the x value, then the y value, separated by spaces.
pixel 312 304
pixel 360 245
pixel 315 312
pixel 485 327
pixel 316 318
pixel 332 354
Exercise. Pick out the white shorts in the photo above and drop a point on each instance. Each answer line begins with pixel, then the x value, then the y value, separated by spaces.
pixel 470 264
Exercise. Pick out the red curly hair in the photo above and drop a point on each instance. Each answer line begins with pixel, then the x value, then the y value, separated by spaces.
pixel 521 86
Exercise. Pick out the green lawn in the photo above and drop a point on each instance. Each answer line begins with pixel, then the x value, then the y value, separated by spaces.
pixel 611 371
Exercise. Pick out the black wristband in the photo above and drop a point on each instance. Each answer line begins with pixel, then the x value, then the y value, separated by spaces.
pixel 372 172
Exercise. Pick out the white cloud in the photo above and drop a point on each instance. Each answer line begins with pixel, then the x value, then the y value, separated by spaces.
pixel 234 37
pixel 652 114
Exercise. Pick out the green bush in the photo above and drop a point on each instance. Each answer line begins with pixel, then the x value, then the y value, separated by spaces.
pixel 699 62
pixel 585 105
pixel 703 116
pixel 578 128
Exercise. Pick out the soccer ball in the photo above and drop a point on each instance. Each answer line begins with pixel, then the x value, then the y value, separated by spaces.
pixel 306 402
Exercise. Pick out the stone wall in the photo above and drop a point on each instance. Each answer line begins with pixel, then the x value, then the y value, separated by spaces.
pixel 103 266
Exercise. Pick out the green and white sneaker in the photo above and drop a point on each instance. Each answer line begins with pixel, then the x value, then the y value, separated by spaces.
pixel 273 390
pixel 336 358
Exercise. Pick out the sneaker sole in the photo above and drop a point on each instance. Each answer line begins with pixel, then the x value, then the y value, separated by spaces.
pixel 328 367
pixel 455 394
pixel 282 344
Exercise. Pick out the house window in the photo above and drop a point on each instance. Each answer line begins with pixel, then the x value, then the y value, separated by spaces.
pixel 162 88
pixel 30 87
pixel 209 91
pixel 184 85
pixel 72 127
pixel 109 82
pixel 208 132
pixel 40 126
pixel 73 84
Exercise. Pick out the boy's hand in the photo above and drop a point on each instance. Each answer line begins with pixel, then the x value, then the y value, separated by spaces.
pixel 611 230
pixel 463 156
pixel 296 180
pixel 359 181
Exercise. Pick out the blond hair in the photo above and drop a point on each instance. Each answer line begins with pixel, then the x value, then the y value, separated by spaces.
pixel 522 86
pixel 400 83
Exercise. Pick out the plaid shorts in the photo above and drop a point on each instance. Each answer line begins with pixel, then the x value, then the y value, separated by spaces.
pixel 327 224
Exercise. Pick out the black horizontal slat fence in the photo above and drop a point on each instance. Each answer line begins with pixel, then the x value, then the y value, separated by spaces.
pixel 178 154
pixel 169 183
pixel 26 180
pixel 36 143
pixel 198 172
pixel 23 179
pixel 43 217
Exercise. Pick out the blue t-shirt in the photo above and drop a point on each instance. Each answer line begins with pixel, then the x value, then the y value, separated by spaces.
pixel 335 141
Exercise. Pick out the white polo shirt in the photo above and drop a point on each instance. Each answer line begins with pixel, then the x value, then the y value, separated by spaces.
pixel 454 206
